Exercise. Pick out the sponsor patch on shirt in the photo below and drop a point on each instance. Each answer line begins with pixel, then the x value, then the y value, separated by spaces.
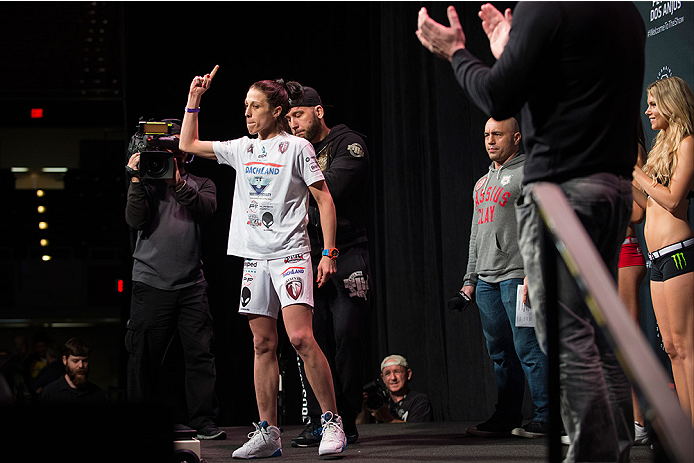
pixel 356 150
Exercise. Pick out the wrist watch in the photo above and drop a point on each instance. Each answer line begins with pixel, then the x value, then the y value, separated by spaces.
pixel 333 253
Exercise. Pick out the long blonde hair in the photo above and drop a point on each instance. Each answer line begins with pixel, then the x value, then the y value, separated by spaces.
pixel 675 102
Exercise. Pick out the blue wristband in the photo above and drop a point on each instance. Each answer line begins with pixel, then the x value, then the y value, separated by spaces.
pixel 194 110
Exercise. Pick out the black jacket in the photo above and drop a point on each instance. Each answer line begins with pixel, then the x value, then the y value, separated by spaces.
pixel 344 160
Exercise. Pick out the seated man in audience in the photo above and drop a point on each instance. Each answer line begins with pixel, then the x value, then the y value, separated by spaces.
pixel 73 387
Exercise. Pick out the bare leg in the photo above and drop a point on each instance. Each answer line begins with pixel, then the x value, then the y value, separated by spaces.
pixel 298 324
pixel 664 296
pixel 265 368
pixel 629 279
pixel 679 300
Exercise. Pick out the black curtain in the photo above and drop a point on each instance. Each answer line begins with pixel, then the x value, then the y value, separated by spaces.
pixel 426 146
pixel 431 152
pixel 424 137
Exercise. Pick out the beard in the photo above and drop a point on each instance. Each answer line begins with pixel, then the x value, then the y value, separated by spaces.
pixel 78 376
pixel 313 128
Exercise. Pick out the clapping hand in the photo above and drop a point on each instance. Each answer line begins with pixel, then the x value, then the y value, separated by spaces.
pixel 440 40
pixel 497 27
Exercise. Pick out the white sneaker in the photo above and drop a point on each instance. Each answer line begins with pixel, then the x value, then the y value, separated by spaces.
pixel 641 435
pixel 262 443
pixel 333 441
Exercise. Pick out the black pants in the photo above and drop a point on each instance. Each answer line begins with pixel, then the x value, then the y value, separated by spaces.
pixel 340 326
pixel 155 316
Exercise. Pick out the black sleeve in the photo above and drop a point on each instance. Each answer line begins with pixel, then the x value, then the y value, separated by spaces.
pixel 202 203
pixel 501 90
pixel 349 167
pixel 137 208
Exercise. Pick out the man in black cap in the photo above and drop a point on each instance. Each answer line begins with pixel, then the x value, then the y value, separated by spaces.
pixel 341 310
pixel 169 292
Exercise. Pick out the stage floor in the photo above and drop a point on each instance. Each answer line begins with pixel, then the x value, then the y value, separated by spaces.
pixel 408 442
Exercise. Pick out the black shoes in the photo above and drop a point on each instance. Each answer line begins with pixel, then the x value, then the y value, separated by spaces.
pixel 351 432
pixel 532 430
pixel 211 432
pixel 311 435
pixel 495 426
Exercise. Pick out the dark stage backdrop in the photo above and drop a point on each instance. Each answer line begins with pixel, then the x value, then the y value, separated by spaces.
pixel 103 65
pixel 426 146
pixel 425 141
pixel 431 154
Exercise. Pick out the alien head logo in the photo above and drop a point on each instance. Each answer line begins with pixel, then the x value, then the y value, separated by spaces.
pixel 245 296
pixel 268 220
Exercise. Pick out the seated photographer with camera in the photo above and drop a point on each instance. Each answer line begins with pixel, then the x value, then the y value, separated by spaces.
pixel 389 399
pixel 167 206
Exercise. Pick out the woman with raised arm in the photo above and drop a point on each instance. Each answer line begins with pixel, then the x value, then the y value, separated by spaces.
pixel 275 172
pixel 666 181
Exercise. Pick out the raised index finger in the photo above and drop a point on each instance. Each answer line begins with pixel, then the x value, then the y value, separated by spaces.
pixel 214 71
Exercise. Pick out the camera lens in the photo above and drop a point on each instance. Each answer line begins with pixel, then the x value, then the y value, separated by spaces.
pixel 156 166
pixel 374 401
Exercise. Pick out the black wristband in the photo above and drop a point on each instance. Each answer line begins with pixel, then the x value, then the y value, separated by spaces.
pixel 132 172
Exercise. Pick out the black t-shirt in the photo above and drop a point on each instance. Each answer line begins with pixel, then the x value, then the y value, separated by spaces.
pixel 413 408
pixel 59 392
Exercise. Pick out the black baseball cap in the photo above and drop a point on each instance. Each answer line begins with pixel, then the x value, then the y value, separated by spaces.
pixel 310 97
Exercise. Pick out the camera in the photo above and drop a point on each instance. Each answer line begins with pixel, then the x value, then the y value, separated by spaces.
pixel 153 141
pixel 459 302
pixel 376 394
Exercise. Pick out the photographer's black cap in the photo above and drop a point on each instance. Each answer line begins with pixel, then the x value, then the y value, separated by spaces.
pixel 310 97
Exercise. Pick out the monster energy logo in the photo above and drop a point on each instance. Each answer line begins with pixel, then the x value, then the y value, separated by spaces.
pixel 680 261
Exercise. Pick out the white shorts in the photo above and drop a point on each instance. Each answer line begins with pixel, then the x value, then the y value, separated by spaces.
pixel 268 285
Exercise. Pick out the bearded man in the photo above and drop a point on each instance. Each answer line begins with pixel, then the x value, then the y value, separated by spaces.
pixel 73 387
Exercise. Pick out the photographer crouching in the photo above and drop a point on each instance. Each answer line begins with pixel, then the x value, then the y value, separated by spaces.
pixel 167 206
pixel 389 399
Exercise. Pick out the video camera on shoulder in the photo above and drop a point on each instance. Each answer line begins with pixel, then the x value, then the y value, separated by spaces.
pixel 155 143
pixel 376 394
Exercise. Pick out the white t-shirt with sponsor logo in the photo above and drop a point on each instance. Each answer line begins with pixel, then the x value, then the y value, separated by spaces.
pixel 270 210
